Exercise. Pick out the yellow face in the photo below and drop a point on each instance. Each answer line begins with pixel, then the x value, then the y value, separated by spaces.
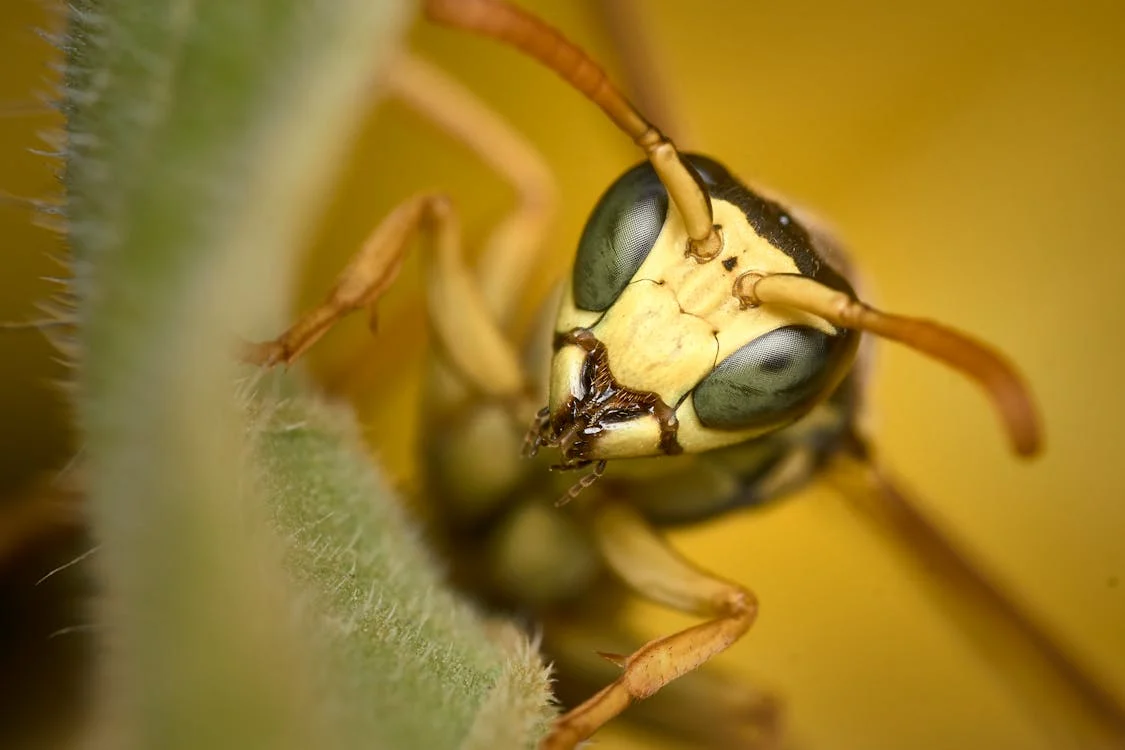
pixel 655 352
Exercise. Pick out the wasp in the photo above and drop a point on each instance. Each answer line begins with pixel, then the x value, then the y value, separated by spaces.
pixel 700 358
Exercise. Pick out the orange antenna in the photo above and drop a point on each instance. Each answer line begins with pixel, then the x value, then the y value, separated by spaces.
pixel 513 26
pixel 999 378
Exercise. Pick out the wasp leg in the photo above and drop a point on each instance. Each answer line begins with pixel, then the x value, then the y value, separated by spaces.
pixel 472 457
pixel 512 248
pixel 507 259
pixel 706 708
pixel 465 329
pixel 641 558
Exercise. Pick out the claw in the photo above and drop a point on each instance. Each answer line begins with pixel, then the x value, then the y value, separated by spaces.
pixel 618 659
pixel 267 354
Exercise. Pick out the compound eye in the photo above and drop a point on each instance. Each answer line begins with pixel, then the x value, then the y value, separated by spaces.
pixel 771 380
pixel 618 237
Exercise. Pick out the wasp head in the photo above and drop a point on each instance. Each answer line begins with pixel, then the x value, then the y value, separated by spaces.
pixel 658 351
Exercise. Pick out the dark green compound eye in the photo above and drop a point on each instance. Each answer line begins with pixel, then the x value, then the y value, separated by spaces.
pixel 618 237
pixel 771 380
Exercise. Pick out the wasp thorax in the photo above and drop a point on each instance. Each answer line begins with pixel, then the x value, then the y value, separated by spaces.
pixel 656 349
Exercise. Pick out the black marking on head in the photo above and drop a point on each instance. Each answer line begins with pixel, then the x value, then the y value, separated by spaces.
pixel 730 263
pixel 770 220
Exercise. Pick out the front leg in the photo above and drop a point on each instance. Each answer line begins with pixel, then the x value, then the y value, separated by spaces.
pixel 464 327
pixel 641 558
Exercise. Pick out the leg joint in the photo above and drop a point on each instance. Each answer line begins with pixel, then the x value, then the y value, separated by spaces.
pixel 739 602
pixel 439 206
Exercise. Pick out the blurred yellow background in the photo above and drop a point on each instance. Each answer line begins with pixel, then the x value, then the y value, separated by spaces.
pixel 972 156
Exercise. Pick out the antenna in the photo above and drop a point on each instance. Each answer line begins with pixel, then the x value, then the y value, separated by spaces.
pixel 506 23
pixel 988 367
